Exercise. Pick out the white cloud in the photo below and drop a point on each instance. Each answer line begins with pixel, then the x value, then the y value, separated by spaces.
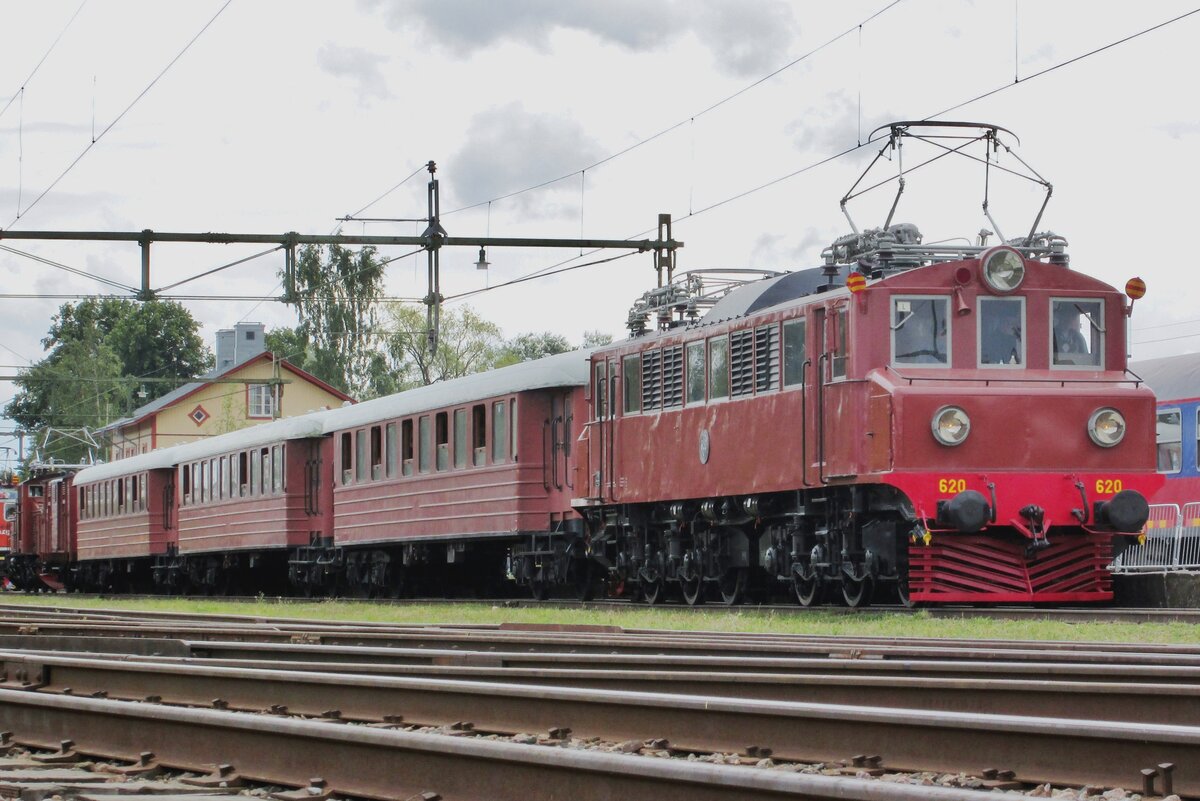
pixel 508 148
pixel 360 66
pixel 746 37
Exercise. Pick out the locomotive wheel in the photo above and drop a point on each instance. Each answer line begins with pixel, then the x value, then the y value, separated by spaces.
pixel 540 589
pixel 652 591
pixel 693 590
pixel 732 585
pixel 903 593
pixel 857 592
pixel 807 588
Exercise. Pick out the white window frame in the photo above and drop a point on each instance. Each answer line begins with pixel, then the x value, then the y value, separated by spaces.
pixel 260 397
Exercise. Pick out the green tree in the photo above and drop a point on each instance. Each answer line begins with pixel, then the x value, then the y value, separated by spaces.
pixel 467 344
pixel 526 347
pixel 80 385
pixel 336 291
pixel 98 350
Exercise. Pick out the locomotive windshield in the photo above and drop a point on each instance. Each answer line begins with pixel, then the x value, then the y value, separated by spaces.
pixel 1078 332
pixel 919 330
pixel 1001 321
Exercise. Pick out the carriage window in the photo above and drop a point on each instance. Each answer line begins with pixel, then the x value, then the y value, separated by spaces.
pixel 460 437
pixel 696 370
pixel 425 457
pixel 120 495
pixel 1169 437
pixel 479 434
pixel 223 483
pixel 347 458
pixel 243 470
pixel 360 455
pixel 187 484
pixel 442 430
pixel 499 432
pixel 601 393
pixel 136 495
pixel 920 331
pixel 1078 338
pixel 406 446
pixel 391 445
pixel 256 470
pixel 1001 328
pixel 631 378
pixel 265 455
pixel 793 352
pixel 276 468
pixel 376 452
pixel 718 368
pixel 512 425
pixel 841 345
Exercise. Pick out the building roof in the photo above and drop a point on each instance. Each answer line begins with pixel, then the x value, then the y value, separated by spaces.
pixel 178 394
pixel 1172 377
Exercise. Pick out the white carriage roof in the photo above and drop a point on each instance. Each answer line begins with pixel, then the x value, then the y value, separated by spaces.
pixel 1172 377
pixel 301 427
pixel 561 370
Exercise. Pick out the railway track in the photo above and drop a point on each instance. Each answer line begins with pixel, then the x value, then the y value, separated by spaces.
pixel 752 715
pixel 1081 614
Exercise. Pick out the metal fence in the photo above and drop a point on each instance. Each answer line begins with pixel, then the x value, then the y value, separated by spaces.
pixel 1172 541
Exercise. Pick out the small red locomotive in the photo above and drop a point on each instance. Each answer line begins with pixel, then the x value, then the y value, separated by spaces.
pixel 951 423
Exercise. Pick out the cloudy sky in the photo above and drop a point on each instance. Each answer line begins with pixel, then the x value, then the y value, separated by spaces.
pixel 284 116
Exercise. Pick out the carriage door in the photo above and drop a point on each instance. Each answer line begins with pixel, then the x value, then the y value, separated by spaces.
pixel 601 441
pixel 836 426
pixel 561 423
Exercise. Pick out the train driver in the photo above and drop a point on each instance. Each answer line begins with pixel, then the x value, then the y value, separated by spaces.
pixel 1070 345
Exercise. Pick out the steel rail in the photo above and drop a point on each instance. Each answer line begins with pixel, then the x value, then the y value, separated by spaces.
pixel 1060 751
pixel 392 765
pixel 1128 701
pixel 1062 614
pixel 659 643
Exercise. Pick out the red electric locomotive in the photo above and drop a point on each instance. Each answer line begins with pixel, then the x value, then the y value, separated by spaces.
pixel 955 422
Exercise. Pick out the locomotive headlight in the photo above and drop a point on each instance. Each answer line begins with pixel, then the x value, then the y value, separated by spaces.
pixel 1003 269
pixel 1106 427
pixel 951 425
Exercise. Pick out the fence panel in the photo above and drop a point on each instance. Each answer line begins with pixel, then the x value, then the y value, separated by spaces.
pixel 1160 551
pixel 1187 553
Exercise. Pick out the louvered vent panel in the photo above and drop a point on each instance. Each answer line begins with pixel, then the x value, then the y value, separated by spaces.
pixel 651 380
pixel 766 358
pixel 741 363
pixel 672 376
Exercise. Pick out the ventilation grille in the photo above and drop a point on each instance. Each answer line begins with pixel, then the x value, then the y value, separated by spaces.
pixel 741 363
pixel 651 380
pixel 672 376
pixel 766 358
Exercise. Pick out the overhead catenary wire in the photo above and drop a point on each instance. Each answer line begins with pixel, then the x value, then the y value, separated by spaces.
pixel 42 60
pixel 690 119
pixel 121 116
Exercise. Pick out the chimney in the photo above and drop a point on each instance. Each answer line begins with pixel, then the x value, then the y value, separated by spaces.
pixel 240 343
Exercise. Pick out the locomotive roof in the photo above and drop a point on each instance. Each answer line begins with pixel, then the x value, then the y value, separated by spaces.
pixel 759 295
pixel 1171 377
pixel 300 427
pixel 561 370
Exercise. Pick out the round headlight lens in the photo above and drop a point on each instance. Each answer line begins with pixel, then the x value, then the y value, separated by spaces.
pixel 951 425
pixel 1003 269
pixel 1106 427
